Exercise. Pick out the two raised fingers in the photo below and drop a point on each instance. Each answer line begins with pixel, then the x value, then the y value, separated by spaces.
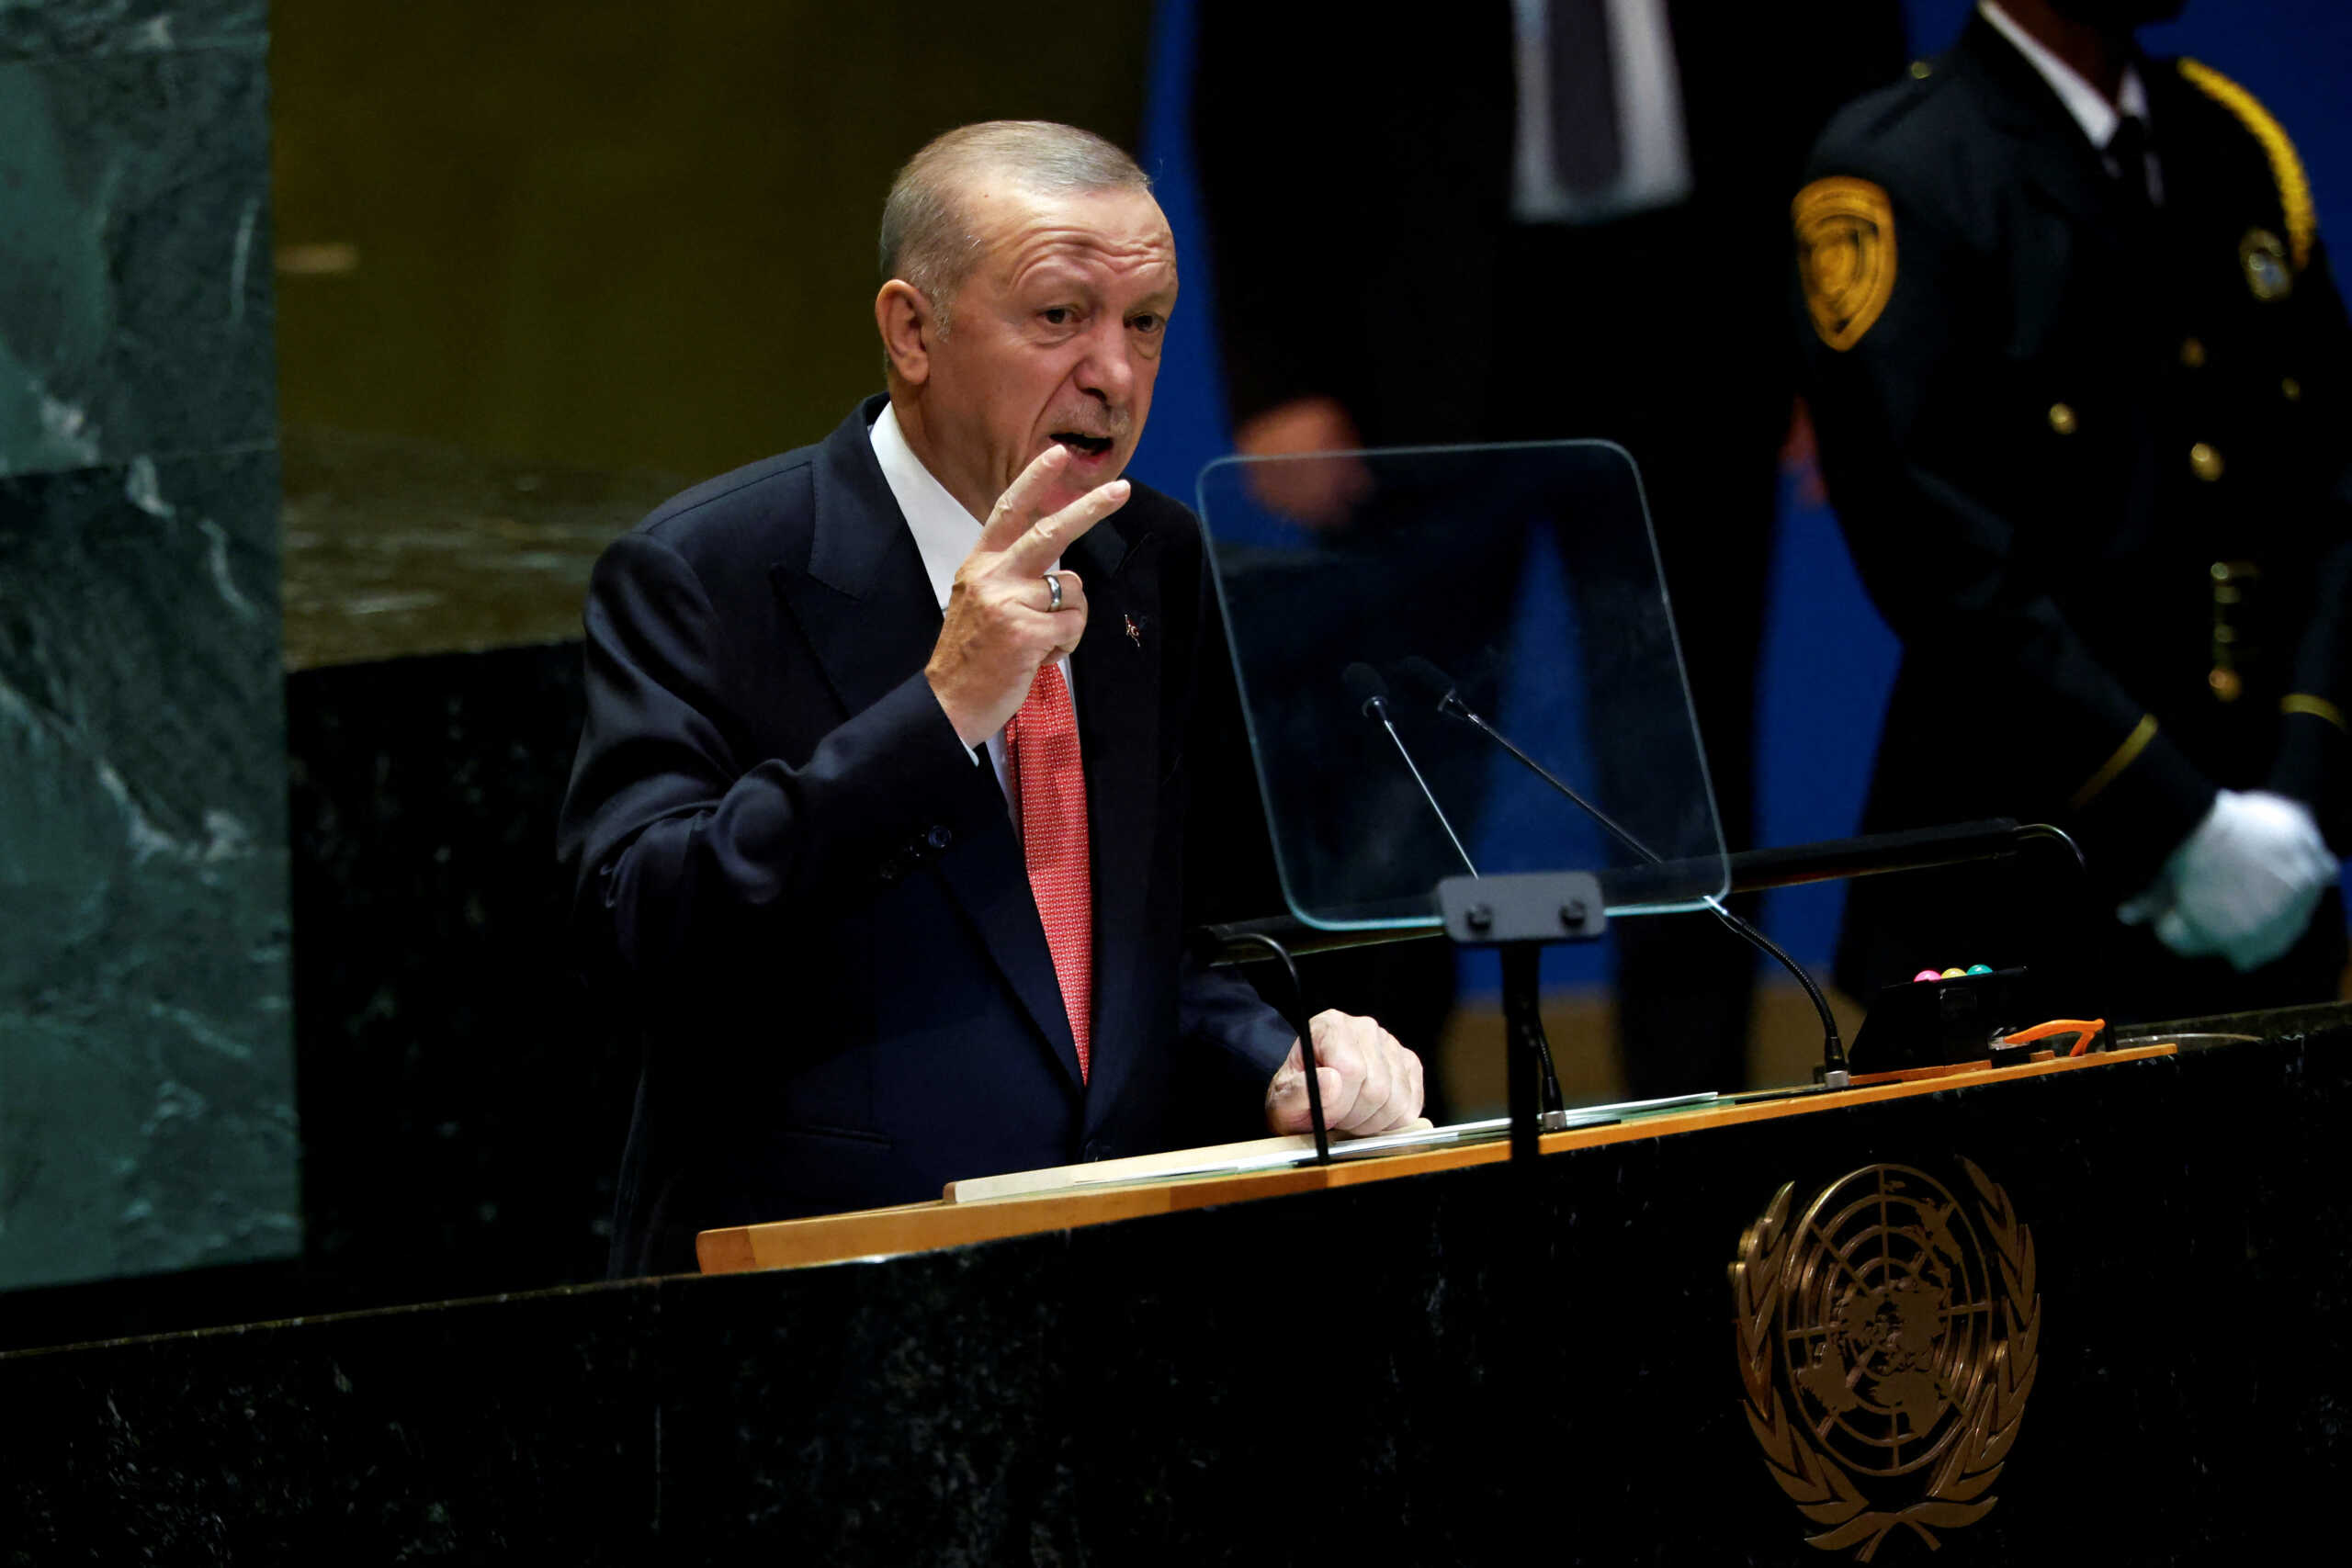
pixel 1017 508
pixel 1028 543
pixel 1042 542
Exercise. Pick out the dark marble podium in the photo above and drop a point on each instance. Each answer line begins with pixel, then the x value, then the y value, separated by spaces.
pixel 1448 1368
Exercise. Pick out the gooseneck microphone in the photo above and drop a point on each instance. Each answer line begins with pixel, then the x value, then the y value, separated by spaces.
pixel 1371 695
pixel 1446 697
pixel 1432 682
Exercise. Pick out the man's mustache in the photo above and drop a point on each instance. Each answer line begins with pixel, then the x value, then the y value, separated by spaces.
pixel 1097 424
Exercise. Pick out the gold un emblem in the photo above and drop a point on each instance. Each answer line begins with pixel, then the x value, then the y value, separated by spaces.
pixel 1886 1348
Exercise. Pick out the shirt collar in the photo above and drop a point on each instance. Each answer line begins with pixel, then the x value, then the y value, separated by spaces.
pixel 944 531
pixel 2091 110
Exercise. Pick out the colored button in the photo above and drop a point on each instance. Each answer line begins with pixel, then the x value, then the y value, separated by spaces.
pixel 1952 974
pixel 1980 969
pixel 2204 462
pixel 2291 390
pixel 2061 419
pixel 2227 684
pixel 2192 352
pixel 1921 70
pixel 1926 975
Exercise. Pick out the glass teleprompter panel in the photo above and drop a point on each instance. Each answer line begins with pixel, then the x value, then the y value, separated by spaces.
pixel 1523 579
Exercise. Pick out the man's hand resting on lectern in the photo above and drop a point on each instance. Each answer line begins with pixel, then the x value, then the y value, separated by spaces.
pixel 1371 1084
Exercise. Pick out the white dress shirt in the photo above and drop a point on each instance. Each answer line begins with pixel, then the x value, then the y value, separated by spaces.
pixel 944 532
pixel 2089 107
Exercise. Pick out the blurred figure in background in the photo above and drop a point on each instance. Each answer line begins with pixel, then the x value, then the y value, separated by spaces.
pixel 2080 377
pixel 1541 220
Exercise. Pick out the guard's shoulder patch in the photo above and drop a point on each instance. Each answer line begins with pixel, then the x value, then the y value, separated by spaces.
pixel 1845 255
pixel 2286 167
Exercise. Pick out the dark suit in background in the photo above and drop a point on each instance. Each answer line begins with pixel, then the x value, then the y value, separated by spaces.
pixel 1358 180
pixel 2091 459
pixel 799 888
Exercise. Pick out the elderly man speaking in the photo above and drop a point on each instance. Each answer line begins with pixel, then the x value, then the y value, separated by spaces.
pixel 876 826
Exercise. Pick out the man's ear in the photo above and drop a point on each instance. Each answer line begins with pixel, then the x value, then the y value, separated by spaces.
pixel 903 317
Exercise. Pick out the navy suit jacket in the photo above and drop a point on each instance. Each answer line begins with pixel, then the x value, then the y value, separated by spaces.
pixel 807 896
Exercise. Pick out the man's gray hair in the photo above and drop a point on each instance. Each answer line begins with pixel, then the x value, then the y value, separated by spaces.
pixel 927 237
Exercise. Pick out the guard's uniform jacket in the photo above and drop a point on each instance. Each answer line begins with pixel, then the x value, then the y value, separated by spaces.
pixel 2090 456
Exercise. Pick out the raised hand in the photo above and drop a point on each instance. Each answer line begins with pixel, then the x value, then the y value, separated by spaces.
pixel 1002 624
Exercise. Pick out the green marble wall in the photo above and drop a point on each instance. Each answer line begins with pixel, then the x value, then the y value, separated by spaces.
pixel 146 1077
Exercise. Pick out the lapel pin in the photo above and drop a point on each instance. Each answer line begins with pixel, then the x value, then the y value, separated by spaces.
pixel 1135 632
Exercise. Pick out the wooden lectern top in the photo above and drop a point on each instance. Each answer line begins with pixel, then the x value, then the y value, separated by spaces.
pixel 918 1228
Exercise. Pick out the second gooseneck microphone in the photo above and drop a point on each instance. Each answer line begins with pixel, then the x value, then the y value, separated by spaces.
pixel 1447 698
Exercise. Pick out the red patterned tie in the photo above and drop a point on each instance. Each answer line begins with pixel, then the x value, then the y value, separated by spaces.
pixel 1041 745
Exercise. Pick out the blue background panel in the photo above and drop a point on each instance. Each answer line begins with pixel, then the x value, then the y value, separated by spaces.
pixel 1829 660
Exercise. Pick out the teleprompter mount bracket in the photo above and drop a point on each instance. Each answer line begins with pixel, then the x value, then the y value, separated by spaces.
pixel 1535 907
pixel 1521 914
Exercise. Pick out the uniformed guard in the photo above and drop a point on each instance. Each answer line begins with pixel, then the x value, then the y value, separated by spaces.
pixel 2078 372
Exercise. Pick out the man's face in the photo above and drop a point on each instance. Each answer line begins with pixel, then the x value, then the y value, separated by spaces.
pixel 1055 337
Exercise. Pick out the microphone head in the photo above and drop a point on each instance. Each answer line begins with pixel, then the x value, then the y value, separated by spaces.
pixel 1424 679
pixel 1368 690
pixel 1427 681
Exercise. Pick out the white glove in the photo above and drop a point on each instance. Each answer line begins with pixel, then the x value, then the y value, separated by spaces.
pixel 2241 885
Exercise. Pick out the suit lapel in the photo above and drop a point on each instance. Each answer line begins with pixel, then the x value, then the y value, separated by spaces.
pixel 1117 676
pixel 989 880
pixel 862 600
pixel 864 603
